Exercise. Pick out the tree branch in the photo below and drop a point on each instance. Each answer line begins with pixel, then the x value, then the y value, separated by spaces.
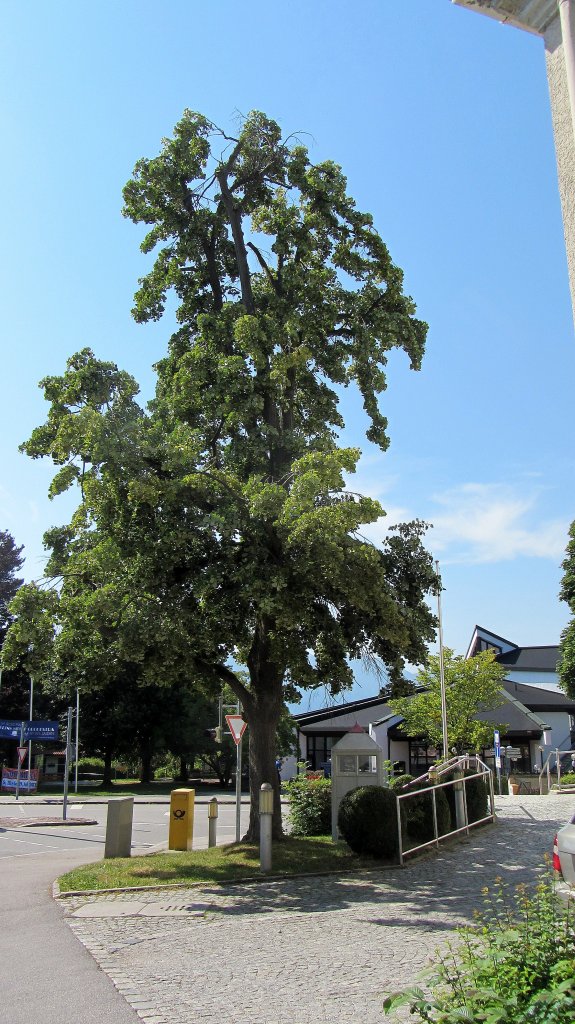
pixel 273 280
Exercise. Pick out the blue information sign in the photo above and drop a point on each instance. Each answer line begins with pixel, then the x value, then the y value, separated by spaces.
pixel 10 729
pixel 39 730
pixel 35 730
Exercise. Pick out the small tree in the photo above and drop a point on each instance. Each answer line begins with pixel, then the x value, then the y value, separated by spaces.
pixel 472 685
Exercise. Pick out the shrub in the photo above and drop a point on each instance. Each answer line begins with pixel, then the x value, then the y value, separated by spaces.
pixel 476 795
pixel 399 781
pixel 310 806
pixel 417 814
pixel 568 779
pixel 515 966
pixel 367 820
pixel 91 765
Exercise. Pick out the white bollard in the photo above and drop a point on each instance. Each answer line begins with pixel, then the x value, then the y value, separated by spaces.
pixel 266 813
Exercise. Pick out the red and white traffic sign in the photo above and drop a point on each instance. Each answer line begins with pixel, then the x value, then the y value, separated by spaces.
pixel 237 727
pixel 22 751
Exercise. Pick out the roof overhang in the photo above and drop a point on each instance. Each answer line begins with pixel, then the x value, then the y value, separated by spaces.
pixel 531 15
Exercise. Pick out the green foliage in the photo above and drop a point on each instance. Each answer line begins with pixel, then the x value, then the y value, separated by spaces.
pixel 471 685
pixel 417 816
pixel 169 768
pixel 568 779
pixel 367 820
pixel 91 765
pixel 11 560
pixel 567 593
pixel 476 796
pixel 516 965
pixel 399 781
pixel 310 806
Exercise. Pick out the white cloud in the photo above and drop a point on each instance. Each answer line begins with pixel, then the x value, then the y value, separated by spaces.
pixel 494 523
pixel 477 523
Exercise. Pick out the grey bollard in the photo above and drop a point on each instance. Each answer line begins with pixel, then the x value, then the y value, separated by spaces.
pixel 266 813
pixel 212 821
pixel 119 827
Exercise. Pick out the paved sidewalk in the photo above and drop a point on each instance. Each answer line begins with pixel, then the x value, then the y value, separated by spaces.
pixel 303 951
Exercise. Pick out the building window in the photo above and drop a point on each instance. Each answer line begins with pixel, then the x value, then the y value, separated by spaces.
pixel 421 757
pixel 318 749
pixel 485 645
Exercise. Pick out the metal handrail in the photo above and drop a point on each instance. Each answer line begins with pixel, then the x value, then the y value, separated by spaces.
pixel 460 762
pixel 546 769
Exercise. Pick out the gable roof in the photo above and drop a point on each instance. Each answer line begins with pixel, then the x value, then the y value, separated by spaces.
pixel 531 659
pixel 539 699
pixel 338 710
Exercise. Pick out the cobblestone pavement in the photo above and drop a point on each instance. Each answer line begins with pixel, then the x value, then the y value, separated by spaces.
pixel 305 950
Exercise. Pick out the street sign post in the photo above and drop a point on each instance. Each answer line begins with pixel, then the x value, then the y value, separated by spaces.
pixel 237 727
pixel 22 751
pixel 497 749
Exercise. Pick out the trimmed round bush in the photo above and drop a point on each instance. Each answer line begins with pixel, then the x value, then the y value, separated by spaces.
pixel 367 820
pixel 418 815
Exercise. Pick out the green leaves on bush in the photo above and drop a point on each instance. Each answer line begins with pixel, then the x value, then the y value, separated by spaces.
pixel 417 816
pixel 367 820
pixel 516 965
pixel 310 806
pixel 476 798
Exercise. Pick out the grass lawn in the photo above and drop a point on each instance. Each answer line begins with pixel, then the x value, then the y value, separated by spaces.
pixel 220 864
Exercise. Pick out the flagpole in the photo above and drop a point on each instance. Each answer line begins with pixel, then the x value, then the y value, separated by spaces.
pixel 442 673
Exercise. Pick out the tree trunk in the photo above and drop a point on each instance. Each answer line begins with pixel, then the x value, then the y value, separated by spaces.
pixel 184 775
pixel 263 717
pixel 146 772
pixel 107 775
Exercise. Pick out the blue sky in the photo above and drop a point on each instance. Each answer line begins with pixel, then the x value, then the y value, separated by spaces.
pixel 440 119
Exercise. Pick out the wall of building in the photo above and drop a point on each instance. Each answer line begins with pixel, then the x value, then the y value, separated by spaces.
pixel 564 140
pixel 560 723
pixel 546 680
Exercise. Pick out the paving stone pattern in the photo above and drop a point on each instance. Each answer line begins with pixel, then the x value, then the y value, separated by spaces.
pixel 306 950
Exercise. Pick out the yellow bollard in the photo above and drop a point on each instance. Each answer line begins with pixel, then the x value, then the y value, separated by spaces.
pixel 181 819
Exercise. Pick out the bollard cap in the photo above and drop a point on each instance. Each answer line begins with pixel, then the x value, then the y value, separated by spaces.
pixel 213 808
pixel 266 799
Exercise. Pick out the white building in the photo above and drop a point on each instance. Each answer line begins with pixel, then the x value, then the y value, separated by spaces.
pixel 538 716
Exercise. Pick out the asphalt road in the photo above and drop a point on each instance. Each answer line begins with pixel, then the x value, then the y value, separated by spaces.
pixel 150 828
pixel 47 975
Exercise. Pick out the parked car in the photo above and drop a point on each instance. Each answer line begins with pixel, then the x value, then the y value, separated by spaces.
pixel 564 860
